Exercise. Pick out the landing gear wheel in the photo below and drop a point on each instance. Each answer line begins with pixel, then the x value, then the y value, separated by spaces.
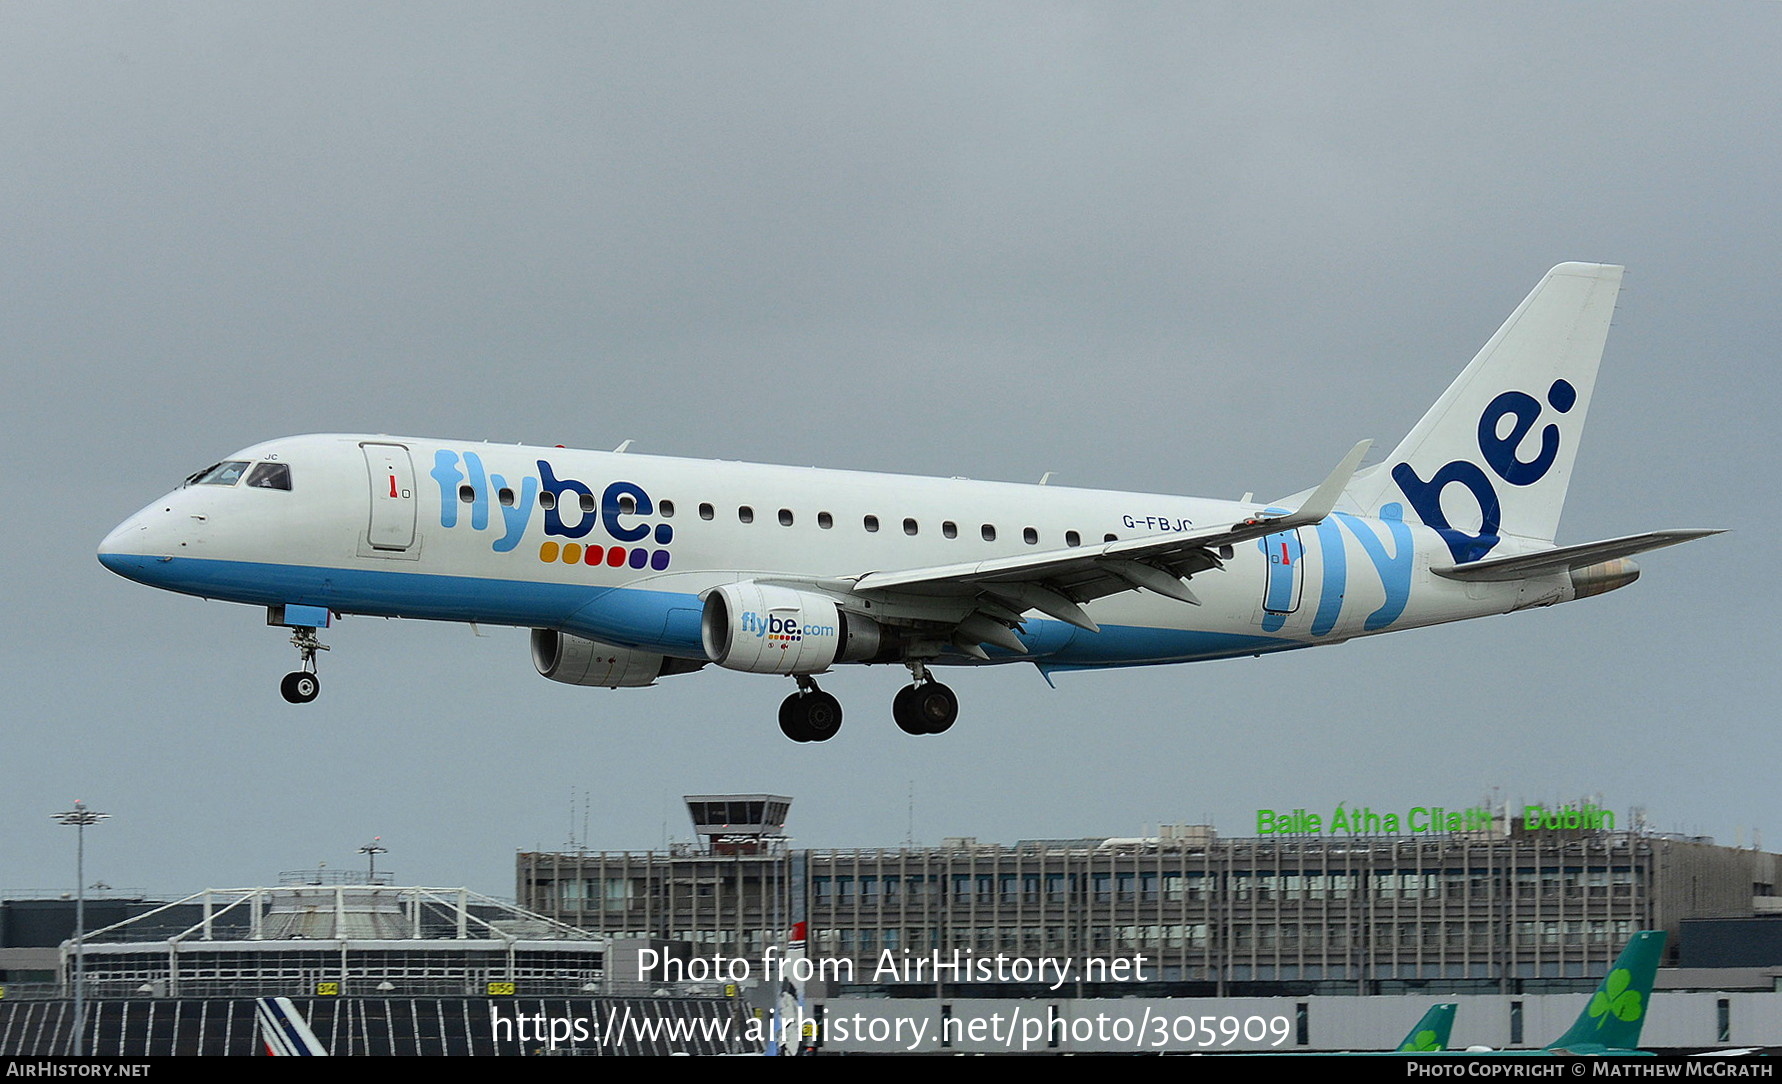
pixel 903 709
pixel 928 708
pixel 810 716
pixel 300 686
pixel 822 715
pixel 791 719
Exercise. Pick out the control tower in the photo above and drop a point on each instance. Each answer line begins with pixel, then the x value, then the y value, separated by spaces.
pixel 740 823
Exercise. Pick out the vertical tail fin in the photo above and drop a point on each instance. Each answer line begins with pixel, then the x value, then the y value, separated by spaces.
pixel 1506 431
pixel 787 1033
pixel 283 1031
pixel 1430 1033
pixel 1616 1012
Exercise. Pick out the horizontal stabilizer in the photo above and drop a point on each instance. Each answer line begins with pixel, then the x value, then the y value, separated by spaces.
pixel 1566 558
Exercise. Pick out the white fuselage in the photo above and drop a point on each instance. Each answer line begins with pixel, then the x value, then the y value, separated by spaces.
pixel 460 531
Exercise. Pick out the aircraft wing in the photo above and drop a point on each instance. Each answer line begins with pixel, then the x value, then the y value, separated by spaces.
pixel 1566 558
pixel 1054 582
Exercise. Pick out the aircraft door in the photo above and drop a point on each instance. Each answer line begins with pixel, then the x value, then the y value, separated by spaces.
pixel 392 476
pixel 1283 586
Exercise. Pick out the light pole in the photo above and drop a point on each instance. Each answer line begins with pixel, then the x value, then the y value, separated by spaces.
pixel 371 851
pixel 80 816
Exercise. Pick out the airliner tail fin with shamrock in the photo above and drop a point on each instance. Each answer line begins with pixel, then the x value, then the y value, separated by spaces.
pixel 1611 1022
pixel 1430 1033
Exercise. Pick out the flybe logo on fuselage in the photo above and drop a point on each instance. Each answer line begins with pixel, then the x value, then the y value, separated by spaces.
pixel 1499 452
pixel 1394 567
pixel 571 512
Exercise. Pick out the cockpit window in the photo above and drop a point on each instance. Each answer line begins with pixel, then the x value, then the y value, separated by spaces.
pixel 270 476
pixel 226 473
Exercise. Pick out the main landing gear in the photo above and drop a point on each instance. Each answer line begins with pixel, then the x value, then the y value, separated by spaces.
pixel 810 714
pixel 302 686
pixel 925 708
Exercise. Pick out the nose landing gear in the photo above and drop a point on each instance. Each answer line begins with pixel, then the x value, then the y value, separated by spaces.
pixel 302 686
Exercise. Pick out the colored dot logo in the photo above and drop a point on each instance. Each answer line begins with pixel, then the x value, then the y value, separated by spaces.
pixel 571 553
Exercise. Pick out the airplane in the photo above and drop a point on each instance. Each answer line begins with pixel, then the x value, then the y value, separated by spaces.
pixel 630 568
pixel 1611 1021
pixel 1432 1031
pixel 1608 1026
pixel 284 1033
pixel 1429 1035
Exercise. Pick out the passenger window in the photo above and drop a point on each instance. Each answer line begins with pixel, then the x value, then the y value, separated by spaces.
pixel 746 514
pixel 909 526
pixel 505 496
pixel 1110 538
pixel 546 500
pixel 1030 536
pixel 270 476
pixel 872 524
pixel 1072 538
pixel 949 529
pixel 587 502
pixel 785 517
pixel 666 508
pixel 627 505
pixel 825 520
pixel 466 494
pixel 988 532
pixel 706 512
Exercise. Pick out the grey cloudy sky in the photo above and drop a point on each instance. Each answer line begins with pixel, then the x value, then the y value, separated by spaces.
pixel 1183 248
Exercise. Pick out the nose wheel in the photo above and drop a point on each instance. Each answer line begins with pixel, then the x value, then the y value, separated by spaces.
pixel 810 714
pixel 302 686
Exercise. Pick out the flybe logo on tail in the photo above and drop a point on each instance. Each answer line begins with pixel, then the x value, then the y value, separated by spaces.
pixel 1499 451
pixel 571 512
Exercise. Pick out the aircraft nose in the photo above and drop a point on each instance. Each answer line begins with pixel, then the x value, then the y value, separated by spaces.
pixel 137 548
pixel 124 540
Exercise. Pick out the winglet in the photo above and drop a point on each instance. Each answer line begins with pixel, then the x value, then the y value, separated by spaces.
pixel 1323 499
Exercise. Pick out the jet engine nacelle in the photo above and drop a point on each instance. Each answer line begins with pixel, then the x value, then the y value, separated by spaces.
pixel 768 629
pixel 576 661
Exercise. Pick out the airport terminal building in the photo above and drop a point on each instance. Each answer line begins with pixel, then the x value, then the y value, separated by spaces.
pixel 1490 910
